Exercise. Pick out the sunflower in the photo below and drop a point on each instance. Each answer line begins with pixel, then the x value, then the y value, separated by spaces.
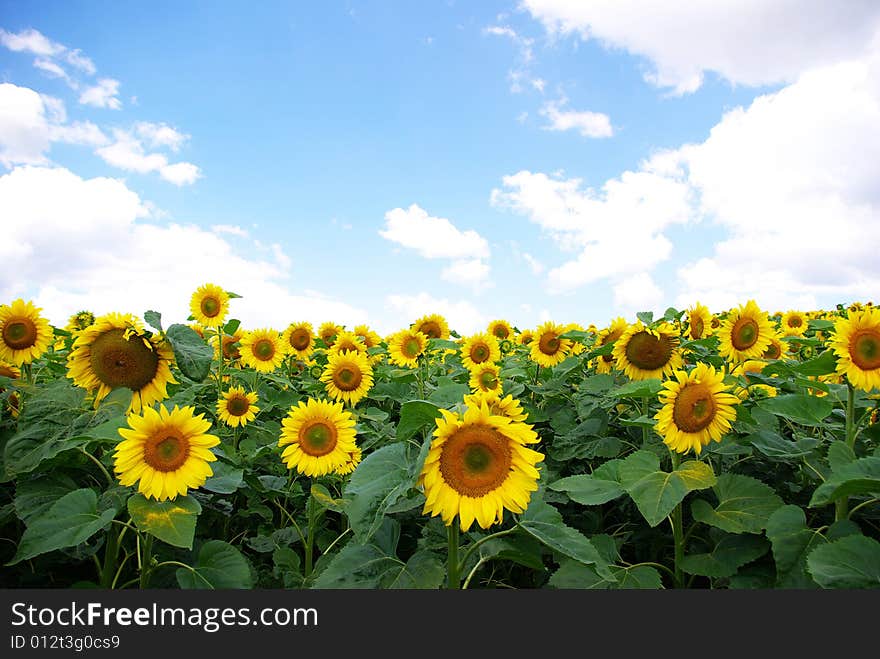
pixel 237 407
pixel 547 349
pixel 406 346
pixel 507 406
pixel 605 363
pixel 576 346
pixel 115 351
pixel 209 305
pixel 794 323
pixel 434 326
pixel 347 376
pixel 165 452
pixel 775 349
pixel 485 378
pixel 198 329
pixel 856 342
pixel 642 352
pixel 76 323
pixel 699 323
pixel 231 345
pixel 500 329
pixel 12 372
pixel 354 459
pixel 371 339
pixel 327 330
pixel 480 348
pixel 744 370
pixel 525 337
pixel 300 338
pixel 745 333
pixel 262 350
pixel 697 408
pixel 24 334
pixel 318 436
pixel 349 341
pixel 478 465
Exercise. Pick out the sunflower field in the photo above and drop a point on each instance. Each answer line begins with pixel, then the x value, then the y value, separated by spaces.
pixel 725 449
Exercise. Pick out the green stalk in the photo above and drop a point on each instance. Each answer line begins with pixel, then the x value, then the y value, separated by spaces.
pixel 310 538
pixel 677 533
pixel 220 362
pixel 453 581
pixel 645 429
pixel 841 507
pixel 111 551
pixel 146 557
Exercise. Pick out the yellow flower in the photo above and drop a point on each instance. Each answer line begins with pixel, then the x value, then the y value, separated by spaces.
pixel 525 337
pixel 500 329
pixel 547 349
pixel 348 376
pixel 434 326
pixel 237 407
pixel 642 352
pixel 699 322
pixel 166 453
pixel 697 408
pixel 318 437
pixel 856 343
pixel 406 346
pixel 485 378
pixel 301 339
pixel 262 350
pixel 348 341
pixel 24 334
pixel 354 459
pixel 794 323
pixel 745 333
pixel 209 305
pixel 605 363
pixel 479 348
pixel 231 347
pixel 114 352
pixel 507 406
pixel 327 331
pixel 478 465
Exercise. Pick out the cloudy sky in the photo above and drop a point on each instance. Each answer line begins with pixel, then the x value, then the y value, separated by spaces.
pixel 373 161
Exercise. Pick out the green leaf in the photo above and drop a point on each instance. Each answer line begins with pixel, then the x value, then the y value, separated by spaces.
pixel 370 567
pixel 592 489
pixel 859 477
pixel 800 408
pixel 231 326
pixel 172 521
pixel 380 480
pixel 655 492
pixel 443 344
pixel 823 364
pixel 449 394
pixel 840 455
pixel 647 317
pixel 226 479
pixel 638 389
pixel 34 497
pixel 544 523
pixel 71 520
pixel 792 540
pixel 572 575
pixel 322 495
pixel 773 445
pixel 153 319
pixel 415 416
pixel 193 354
pixel 731 553
pixel 851 562
pixel 220 565
pixel 744 505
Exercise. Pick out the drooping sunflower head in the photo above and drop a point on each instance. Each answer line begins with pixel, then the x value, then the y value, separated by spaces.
pixel 644 352
pixel 166 453
pixel 406 346
pixel 347 376
pixel 507 406
pixel 478 349
pixel 500 329
pixel 262 350
pixel 327 331
pixel 434 326
pixel 9 370
pixel 697 408
pixel 794 323
pixel 605 363
pixel 856 343
pixel 300 338
pixel 478 465
pixel 115 351
pixel 24 334
pixel 209 305
pixel 699 324
pixel 486 378
pixel 318 437
pixel 547 348
pixel 349 341
pixel 237 407
pixel 745 333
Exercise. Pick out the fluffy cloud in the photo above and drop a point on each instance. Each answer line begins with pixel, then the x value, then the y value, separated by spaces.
pixel 30 41
pixel 588 124
pixel 24 130
pixel 751 42
pixel 127 152
pixel 637 293
pixel 105 94
pixel 462 316
pixel 467 272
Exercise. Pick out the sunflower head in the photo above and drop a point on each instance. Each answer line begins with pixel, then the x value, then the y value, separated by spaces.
pixel 354 459
pixel 406 346
pixel 486 378
pixel 478 349
pixel 525 337
pixel 299 339
pixel 370 338
pixel 347 376
pixel 610 334
pixel 500 329
pixel 327 332
pixel 349 341
pixel 434 326
pixel 794 323
pixel 699 324
pixel 262 350
pixel 644 352
pixel 547 348
pixel 507 406
pixel 856 344
pixel 237 407
pixel 745 333
pixel 231 345
pixel 79 321
pixel 24 334
pixel 209 305
pixel 317 437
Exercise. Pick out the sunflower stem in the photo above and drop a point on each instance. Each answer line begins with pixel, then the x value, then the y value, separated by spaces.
pixel 677 533
pixel 310 538
pixel 219 362
pixel 644 411
pixel 146 558
pixel 841 507
pixel 453 577
pixel 111 552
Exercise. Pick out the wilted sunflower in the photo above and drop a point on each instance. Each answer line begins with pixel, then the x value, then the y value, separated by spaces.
pixel 605 363
pixel 699 323
pixel 794 323
pixel 115 351
pixel 347 376
pixel 856 343
pixel 24 334
pixel 478 465
pixel 485 378
pixel 643 352
pixel 300 338
pixel 500 329
pixel 166 453
pixel 328 330
pixel 745 333
pixel 209 305
pixel 262 350
pixel 697 408
pixel 237 407
pixel 547 349
pixel 479 348
pixel 507 406
pixel 406 346
pixel 434 326
pixel 318 436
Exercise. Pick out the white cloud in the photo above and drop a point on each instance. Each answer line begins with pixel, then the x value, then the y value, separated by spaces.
pixel 637 293
pixel 30 41
pixel 181 173
pixel 77 59
pixel 53 69
pixel 462 316
pixel 588 124
pixel 524 44
pixel 85 243
pixel 233 230
pixel 127 153
pixel 751 42
pixel 79 132
pixel 103 95
pixel 24 131
pixel 467 272
pixel 432 237
pixel 160 135
pixel 534 264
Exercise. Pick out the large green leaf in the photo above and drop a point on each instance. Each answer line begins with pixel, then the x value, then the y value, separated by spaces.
pixel 172 521
pixel 774 446
pixel 36 496
pixel 656 493
pixel 572 575
pixel 800 408
pixel 859 477
pixel 744 505
pixel 72 519
pixel 544 523
pixel 415 416
pixel 823 364
pixel 371 567
pixel 219 565
pixel 731 553
pixel 851 562
pixel 638 389
pixel 226 478
pixel 792 540
pixel 601 486
pixel 192 353
pixel 379 481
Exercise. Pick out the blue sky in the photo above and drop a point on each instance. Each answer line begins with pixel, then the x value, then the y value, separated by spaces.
pixel 375 161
